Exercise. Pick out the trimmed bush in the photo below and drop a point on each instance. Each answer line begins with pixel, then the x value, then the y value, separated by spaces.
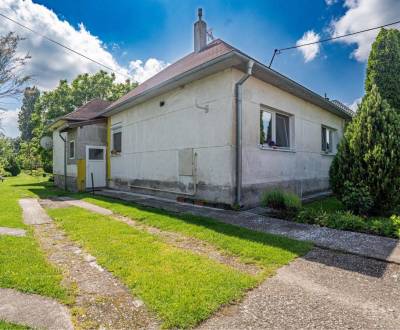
pixel 281 200
pixel 12 166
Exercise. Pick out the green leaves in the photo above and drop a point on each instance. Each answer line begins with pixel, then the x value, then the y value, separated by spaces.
pixel 367 154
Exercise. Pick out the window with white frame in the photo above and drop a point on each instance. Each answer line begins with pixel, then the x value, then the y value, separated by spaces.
pixel 116 140
pixel 275 129
pixel 327 139
pixel 72 149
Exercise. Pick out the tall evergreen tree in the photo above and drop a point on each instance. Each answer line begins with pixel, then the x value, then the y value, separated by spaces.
pixel 25 122
pixel 383 69
pixel 368 156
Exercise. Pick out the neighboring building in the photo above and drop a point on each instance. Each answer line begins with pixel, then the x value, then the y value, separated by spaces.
pixel 219 126
pixel 81 136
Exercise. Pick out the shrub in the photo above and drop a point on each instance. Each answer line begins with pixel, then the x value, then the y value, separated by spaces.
pixel 356 198
pixel 345 220
pixel 281 200
pixel 368 156
pixel 12 166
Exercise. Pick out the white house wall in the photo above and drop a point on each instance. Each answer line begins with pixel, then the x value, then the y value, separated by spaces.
pixel 152 136
pixel 304 169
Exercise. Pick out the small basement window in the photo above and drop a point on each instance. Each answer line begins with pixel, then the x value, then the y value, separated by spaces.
pixel 275 129
pixel 71 149
pixel 116 141
pixel 327 139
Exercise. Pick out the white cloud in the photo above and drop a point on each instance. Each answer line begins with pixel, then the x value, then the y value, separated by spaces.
pixel 354 106
pixel 330 2
pixel 9 122
pixel 309 52
pixel 143 71
pixel 364 14
pixel 49 63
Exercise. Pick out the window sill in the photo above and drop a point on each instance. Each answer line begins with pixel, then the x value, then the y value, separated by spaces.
pixel 327 154
pixel 262 147
pixel 116 155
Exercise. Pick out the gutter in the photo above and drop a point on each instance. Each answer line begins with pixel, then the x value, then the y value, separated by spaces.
pixel 239 111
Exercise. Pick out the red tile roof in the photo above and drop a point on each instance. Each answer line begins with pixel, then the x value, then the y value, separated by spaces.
pixel 88 111
pixel 213 50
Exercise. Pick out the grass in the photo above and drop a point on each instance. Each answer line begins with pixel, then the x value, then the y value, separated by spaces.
pixel 23 265
pixel 181 287
pixel 329 204
pixel 11 326
pixel 268 251
pixel 330 212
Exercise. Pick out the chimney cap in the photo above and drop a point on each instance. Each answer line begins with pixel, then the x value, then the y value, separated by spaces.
pixel 200 13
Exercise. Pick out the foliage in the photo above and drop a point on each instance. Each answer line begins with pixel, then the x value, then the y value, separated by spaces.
pixel 8 163
pixel 12 166
pixel 384 66
pixel 368 154
pixel 330 212
pixel 66 97
pixel 281 200
pixel 25 122
pixel 29 156
pixel 357 198
pixel 11 79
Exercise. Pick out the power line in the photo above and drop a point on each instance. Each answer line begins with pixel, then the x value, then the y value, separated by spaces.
pixel 66 47
pixel 278 51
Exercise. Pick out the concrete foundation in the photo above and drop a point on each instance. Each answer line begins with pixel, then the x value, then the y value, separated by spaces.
pixel 72 184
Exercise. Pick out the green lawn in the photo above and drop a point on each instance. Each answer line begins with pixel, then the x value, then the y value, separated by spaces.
pixel 10 326
pixel 22 264
pixel 183 288
pixel 329 204
pixel 268 251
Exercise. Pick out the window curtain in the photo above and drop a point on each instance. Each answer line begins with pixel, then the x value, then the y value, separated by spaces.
pixel 282 131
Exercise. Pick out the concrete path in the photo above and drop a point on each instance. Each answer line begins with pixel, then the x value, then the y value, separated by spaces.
pixel 32 212
pixel 33 310
pixel 322 290
pixel 86 205
pixel 102 301
pixel 377 247
pixel 12 231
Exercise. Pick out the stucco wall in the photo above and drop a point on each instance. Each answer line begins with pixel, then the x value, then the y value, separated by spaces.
pixel 58 157
pixel 305 168
pixel 152 136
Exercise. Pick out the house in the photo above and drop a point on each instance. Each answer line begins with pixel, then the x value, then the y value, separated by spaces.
pixel 221 127
pixel 79 147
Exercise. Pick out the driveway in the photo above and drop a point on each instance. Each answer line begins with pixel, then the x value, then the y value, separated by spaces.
pixel 325 290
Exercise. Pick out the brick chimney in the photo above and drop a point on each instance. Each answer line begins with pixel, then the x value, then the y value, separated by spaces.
pixel 200 33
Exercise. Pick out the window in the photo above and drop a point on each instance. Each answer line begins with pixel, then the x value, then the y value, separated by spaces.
pixel 327 137
pixel 71 149
pixel 274 129
pixel 96 154
pixel 116 141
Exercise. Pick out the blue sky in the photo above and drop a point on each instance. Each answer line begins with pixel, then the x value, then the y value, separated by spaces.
pixel 125 34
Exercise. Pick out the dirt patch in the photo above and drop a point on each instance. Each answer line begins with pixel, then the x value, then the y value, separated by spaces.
pixel 193 245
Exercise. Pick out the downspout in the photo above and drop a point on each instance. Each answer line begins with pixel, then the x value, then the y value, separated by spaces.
pixel 65 160
pixel 239 110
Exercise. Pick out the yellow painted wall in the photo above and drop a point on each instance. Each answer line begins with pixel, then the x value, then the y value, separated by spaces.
pixel 81 178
